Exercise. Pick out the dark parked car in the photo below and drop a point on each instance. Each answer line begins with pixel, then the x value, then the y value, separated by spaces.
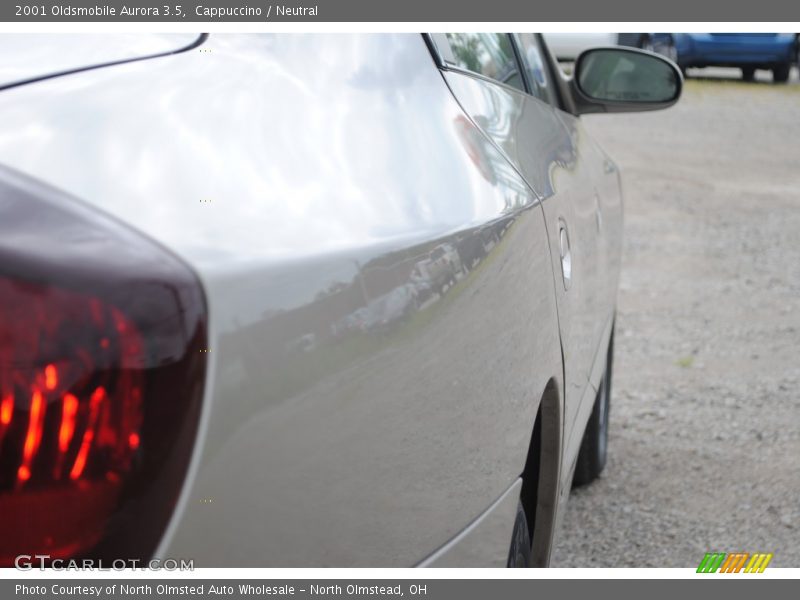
pixel 196 241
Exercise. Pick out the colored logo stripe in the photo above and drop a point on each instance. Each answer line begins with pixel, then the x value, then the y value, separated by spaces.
pixel 711 562
pixel 734 562
pixel 758 563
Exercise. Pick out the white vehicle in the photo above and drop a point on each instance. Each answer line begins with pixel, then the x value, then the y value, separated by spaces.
pixel 567 46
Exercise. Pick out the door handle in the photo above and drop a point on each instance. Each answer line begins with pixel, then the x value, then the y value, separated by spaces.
pixel 566 254
pixel 598 211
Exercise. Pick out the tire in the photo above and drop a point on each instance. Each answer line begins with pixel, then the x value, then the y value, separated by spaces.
pixel 748 73
pixel 519 554
pixel 594 446
pixel 780 74
pixel 797 50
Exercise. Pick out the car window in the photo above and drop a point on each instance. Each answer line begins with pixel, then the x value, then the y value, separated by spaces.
pixel 489 54
pixel 535 67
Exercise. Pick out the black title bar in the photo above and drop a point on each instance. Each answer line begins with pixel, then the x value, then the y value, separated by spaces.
pixel 255 11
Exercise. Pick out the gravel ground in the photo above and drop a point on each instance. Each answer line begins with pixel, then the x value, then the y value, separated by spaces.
pixel 705 418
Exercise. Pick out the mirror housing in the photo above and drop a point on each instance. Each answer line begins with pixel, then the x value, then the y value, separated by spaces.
pixel 619 79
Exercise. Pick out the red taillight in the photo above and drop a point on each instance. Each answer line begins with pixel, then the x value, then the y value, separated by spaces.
pixel 100 381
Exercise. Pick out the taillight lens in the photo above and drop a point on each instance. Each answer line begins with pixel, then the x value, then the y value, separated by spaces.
pixel 71 384
pixel 101 375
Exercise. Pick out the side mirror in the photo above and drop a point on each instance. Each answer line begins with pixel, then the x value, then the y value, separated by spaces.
pixel 624 80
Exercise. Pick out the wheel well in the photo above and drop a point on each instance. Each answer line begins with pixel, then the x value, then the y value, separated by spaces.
pixel 539 496
pixel 530 476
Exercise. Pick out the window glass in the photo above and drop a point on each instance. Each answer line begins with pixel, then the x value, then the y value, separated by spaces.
pixel 536 67
pixel 489 54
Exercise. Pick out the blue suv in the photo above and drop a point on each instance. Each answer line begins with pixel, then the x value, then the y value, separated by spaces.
pixel 747 51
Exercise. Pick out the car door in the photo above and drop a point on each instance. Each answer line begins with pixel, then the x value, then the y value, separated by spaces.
pixel 558 161
pixel 594 215
pixel 591 221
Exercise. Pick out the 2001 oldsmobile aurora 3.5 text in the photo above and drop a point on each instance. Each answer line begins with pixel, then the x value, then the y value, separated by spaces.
pixel 301 300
